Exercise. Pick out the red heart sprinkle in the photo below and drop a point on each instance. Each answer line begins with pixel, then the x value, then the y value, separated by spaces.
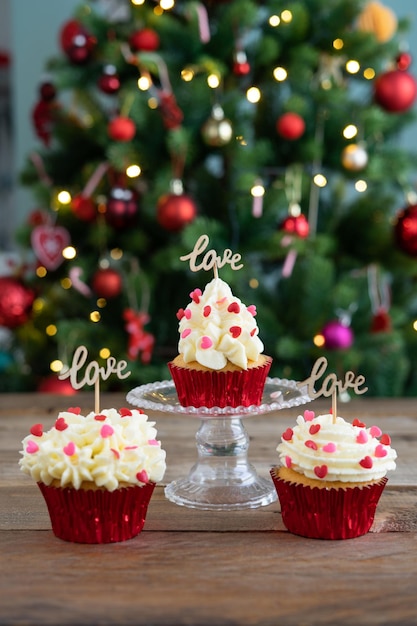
pixel 180 314
pixel 74 409
pixel 366 462
pixel 233 308
pixel 356 422
pixel 100 418
pixel 37 430
pixel 385 440
pixel 309 415
pixel 235 331
pixel 380 451
pixel 288 434
pixel 252 332
pixel 116 453
pixel 195 295
pixel 321 471
pixel 207 311
pixel 314 428
pixel 142 476
pixel 125 412
pixel 310 444
pixel 61 424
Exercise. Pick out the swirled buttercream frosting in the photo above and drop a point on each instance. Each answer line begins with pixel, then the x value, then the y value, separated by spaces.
pixel 110 450
pixel 321 448
pixel 216 328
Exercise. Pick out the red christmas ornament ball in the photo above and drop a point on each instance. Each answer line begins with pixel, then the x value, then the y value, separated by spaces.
pixel 290 126
pixel 107 283
pixel 395 91
pixel 337 336
pixel 296 225
pixel 47 91
pixel 405 230
pixel 15 302
pixel 145 39
pixel 109 81
pixel 76 42
pixel 403 60
pixel 84 208
pixel 121 129
pixel 122 207
pixel 174 211
pixel 53 384
pixel 381 322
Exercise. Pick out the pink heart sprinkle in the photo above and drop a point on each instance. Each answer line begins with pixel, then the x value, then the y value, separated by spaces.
pixel 74 409
pixel 356 422
pixel 362 437
pixel 380 451
pixel 116 453
pixel 386 440
pixel 233 308
pixel 207 310
pixel 235 331
pixel 130 447
pixel 185 333
pixel 375 431
pixel 288 461
pixel 142 476
pixel 366 462
pixel 32 447
pixel 61 424
pixel 180 314
pixel 314 428
pixel 153 442
pixel 206 342
pixel 124 412
pixel 195 295
pixel 37 430
pixel 309 415
pixel 321 471
pixel 288 434
pixel 187 314
pixel 252 309
pixel 106 431
pixel 99 418
pixel 310 444
pixel 329 447
pixel 69 449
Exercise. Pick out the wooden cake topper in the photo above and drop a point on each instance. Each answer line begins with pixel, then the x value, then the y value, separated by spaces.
pixel 93 372
pixel 211 260
pixel 331 385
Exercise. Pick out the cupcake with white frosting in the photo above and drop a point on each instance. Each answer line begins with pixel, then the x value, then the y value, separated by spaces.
pixel 331 475
pixel 220 361
pixel 97 473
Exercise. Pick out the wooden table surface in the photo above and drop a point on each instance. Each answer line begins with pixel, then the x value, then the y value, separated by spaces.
pixel 193 567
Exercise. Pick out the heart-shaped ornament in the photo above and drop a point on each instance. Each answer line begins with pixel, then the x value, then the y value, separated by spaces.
pixel 48 242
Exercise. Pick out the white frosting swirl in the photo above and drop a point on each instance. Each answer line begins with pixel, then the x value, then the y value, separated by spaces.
pixel 216 327
pixel 108 449
pixel 321 449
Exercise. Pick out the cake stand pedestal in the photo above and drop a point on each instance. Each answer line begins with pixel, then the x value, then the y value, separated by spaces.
pixel 222 477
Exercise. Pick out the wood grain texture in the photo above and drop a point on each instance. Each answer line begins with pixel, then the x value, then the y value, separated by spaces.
pixel 195 568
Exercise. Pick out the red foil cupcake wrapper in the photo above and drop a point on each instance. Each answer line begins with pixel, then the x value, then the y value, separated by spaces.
pixel 327 513
pixel 219 389
pixel 97 516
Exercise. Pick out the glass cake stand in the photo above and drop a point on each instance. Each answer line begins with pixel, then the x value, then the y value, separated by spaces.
pixel 222 477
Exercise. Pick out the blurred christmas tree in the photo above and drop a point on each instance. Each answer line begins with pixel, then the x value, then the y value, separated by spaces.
pixel 270 126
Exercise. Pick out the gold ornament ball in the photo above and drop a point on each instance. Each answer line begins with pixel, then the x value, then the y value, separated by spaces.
pixel 354 157
pixel 217 132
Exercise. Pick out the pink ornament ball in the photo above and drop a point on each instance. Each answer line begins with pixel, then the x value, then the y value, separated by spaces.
pixel 337 336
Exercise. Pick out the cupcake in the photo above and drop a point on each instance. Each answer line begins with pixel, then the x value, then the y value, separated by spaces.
pixel 96 473
pixel 331 476
pixel 220 361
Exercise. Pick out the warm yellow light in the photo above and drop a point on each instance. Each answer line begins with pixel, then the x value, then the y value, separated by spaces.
pixel 352 66
pixel 319 341
pixel 133 171
pixel 241 140
pixel 286 16
pixel 415 325
pixel 51 330
pixel 104 353
pixel 153 103
pixel 41 271
pixel 64 197
pixel 116 254
pixel 66 283
pixel 137 3
pixel 101 303
pixel 187 74
pixel 38 305
pixel 320 180
pixel 274 20
pixel 350 131
pixel 69 252
pixel 213 81
pixel 338 44
pixel 144 82
pixel 369 73
pixel 253 94
pixel 166 5
pixel 258 191
pixel 254 283
pixel 157 10
pixel 95 316
pixel 280 74
pixel 361 186
pixel 56 366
